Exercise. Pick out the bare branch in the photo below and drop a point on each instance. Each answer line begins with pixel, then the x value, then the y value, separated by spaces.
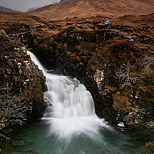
pixel 124 75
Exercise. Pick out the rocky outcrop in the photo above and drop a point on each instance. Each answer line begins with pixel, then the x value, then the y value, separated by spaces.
pixel 120 108
pixel 21 84
pixel 137 117
pixel 99 79
pixel 93 54
pixel 102 59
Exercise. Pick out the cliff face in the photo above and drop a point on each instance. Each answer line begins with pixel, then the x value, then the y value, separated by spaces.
pixel 21 84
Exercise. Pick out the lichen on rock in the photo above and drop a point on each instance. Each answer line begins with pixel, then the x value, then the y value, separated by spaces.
pixel 21 85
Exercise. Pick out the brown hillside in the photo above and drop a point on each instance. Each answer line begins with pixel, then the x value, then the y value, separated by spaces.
pixel 83 8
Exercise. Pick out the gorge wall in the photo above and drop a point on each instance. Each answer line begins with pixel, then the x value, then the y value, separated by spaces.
pixel 21 85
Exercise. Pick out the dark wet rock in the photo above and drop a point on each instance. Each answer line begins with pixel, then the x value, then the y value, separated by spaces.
pixel 137 117
pixel 32 151
pixel 21 85
pixel 150 125
pixel 9 149
pixel 18 143
pixel 3 137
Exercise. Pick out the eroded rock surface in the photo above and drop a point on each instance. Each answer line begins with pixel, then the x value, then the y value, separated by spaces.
pixel 21 84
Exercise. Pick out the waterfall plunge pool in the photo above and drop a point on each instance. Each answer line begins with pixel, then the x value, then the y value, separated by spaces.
pixel 70 125
pixel 38 139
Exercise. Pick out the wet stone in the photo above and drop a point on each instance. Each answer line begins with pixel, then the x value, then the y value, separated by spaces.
pixel 32 151
pixel 11 65
pixel 18 143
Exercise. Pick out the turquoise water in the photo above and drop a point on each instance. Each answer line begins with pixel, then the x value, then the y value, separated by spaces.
pixel 38 139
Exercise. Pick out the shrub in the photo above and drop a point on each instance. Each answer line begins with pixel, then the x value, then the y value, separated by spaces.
pixel 124 75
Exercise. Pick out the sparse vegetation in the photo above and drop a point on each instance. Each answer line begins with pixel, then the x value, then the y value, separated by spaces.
pixel 124 75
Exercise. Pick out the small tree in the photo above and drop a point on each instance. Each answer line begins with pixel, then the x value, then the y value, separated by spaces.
pixel 124 75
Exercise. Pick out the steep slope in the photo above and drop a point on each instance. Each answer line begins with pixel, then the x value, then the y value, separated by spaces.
pixel 85 8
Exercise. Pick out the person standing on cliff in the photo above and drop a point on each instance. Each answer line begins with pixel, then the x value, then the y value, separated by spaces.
pixel 106 23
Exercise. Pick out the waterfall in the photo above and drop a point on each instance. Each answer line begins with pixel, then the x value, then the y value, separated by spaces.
pixel 70 110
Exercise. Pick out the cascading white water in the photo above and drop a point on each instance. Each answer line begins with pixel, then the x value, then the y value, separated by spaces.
pixel 70 108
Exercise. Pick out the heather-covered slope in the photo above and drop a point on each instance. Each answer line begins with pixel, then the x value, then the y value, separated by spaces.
pixel 85 8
